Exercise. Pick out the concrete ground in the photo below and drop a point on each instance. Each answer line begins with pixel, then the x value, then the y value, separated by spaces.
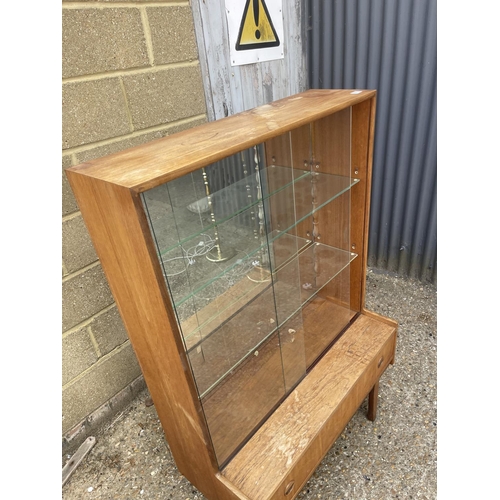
pixel 391 458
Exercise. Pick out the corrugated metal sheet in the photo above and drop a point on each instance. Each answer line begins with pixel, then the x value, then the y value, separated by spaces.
pixel 391 46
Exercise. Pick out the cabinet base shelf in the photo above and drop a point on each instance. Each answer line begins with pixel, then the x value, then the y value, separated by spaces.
pixel 277 461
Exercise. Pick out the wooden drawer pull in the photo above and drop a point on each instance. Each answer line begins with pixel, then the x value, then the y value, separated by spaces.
pixel 381 360
pixel 289 487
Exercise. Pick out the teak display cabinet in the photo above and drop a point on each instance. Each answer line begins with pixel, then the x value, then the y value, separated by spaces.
pixel 236 252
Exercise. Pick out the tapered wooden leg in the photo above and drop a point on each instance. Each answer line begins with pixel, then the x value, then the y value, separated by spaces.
pixel 372 403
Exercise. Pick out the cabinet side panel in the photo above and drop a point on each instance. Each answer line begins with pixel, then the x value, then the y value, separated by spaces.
pixel 363 121
pixel 117 226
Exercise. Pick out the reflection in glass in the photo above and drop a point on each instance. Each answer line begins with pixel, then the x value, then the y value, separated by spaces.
pixel 255 253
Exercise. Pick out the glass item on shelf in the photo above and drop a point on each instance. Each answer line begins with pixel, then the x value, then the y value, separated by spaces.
pixel 215 254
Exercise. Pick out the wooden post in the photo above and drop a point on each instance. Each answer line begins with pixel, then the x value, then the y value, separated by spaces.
pixel 231 89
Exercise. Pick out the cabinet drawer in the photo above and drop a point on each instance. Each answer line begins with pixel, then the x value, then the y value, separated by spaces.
pixel 301 472
pixel 310 459
pixel 382 360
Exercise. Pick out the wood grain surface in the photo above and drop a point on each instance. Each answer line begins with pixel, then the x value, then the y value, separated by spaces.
pixel 149 165
pixel 118 228
pixel 298 434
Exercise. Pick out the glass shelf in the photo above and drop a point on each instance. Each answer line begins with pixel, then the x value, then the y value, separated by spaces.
pixel 273 180
pixel 319 189
pixel 242 283
pixel 214 354
pixel 318 265
pixel 240 196
pixel 189 273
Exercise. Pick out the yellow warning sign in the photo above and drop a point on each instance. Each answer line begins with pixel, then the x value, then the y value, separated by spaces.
pixel 256 28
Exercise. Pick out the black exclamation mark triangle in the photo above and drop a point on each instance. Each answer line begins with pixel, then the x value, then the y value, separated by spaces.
pixel 256 17
pixel 256 28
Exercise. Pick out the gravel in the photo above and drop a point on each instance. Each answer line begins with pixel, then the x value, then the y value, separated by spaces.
pixel 394 457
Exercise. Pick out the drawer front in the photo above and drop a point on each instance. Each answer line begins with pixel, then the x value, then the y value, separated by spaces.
pixel 382 360
pixel 312 457
pixel 301 472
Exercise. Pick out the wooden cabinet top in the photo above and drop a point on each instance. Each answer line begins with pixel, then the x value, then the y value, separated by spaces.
pixel 149 165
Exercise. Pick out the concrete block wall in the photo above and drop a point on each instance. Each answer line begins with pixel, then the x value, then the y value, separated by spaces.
pixel 130 75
